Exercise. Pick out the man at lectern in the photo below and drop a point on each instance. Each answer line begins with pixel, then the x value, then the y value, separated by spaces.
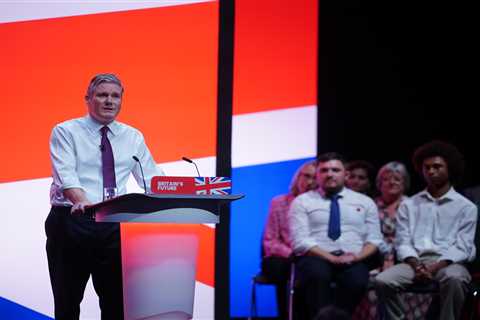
pixel 92 158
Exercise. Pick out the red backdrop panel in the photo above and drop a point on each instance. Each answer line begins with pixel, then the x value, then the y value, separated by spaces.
pixel 275 54
pixel 166 57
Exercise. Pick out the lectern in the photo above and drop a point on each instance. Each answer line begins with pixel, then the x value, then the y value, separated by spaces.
pixel 159 249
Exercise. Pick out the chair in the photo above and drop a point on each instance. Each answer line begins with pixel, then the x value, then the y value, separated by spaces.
pixel 258 279
pixel 471 309
pixel 291 289
pixel 262 279
pixel 472 304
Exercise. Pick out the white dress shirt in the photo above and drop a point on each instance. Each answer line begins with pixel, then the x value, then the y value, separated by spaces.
pixel 444 226
pixel 359 223
pixel 77 161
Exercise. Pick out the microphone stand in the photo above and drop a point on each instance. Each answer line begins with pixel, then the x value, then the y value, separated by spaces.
pixel 191 161
pixel 141 170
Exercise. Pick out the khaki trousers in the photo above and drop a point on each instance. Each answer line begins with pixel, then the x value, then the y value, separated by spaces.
pixel 453 281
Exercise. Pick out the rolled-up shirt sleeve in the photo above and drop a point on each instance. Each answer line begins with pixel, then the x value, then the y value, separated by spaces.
pixel 299 227
pixel 464 247
pixel 372 221
pixel 62 154
pixel 403 236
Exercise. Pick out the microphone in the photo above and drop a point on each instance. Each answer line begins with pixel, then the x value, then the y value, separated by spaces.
pixel 102 147
pixel 191 161
pixel 141 170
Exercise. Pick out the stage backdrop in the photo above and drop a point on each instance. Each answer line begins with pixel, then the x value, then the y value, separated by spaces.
pixel 274 125
pixel 166 54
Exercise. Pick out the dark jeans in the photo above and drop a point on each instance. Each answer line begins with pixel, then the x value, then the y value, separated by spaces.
pixel 78 247
pixel 277 269
pixel 316 275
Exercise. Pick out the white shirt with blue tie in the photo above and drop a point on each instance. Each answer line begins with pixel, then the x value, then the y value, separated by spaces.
pixel 309 216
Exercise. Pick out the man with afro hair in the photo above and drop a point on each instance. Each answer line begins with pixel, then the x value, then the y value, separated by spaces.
pixel 435 235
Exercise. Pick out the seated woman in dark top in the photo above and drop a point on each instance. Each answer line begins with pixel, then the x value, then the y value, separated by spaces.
pixel 360 176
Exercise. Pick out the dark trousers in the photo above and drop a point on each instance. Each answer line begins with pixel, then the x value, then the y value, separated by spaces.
pixel 78 247
pixel 277 269
pixel 316 276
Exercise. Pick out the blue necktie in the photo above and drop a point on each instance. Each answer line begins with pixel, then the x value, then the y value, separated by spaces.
pixel 108 163
pixel 334 221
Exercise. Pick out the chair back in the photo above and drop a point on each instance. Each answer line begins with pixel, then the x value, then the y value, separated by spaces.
pixel 474 266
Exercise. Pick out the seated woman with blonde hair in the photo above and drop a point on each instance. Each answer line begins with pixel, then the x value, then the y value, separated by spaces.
pixel 276 238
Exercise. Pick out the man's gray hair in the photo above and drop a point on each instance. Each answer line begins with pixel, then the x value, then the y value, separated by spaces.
pixel 101 78
pixel 396 167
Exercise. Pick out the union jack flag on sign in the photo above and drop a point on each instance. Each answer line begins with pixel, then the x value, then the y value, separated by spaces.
pixel 213 185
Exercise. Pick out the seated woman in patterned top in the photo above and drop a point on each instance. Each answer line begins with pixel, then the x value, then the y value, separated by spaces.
pixel 276 238
pixel 392 182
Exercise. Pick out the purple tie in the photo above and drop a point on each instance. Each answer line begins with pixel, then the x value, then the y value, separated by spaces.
pixel 108 164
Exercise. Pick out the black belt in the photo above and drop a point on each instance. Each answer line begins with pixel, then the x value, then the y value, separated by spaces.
pixel 89 214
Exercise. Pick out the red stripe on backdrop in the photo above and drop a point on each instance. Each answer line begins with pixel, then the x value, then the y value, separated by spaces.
pixel 275 54
pixel 167 58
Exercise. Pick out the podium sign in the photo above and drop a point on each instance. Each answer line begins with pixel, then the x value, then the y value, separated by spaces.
pixel 191 185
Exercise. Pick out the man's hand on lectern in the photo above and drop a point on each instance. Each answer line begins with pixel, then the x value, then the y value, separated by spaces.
pixel 78 198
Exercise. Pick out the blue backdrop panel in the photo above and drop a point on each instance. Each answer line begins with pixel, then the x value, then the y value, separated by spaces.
pixel 14 311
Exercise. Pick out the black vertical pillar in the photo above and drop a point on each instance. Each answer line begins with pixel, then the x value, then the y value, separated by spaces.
pixel 224 152
pixel 329 119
